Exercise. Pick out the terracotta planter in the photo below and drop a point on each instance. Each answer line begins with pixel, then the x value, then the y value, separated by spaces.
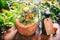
pixel 26 30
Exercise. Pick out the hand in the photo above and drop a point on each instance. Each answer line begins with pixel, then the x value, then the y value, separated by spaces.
pixel 11 34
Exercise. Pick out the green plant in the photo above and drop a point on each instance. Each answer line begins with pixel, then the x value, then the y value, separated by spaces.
pixel 4 5
pixel 27 17
pixel 53 7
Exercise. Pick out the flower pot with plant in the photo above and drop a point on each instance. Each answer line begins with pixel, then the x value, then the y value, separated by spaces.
pixel 27 22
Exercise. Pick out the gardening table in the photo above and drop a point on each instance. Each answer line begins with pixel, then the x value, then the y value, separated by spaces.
pixel 37 36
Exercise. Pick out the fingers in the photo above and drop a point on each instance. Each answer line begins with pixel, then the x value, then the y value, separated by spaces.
pixel 11 34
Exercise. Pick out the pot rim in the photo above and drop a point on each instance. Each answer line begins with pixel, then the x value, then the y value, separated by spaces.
pixel 25 26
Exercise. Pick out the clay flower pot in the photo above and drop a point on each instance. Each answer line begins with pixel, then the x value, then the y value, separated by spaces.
pixel 26 30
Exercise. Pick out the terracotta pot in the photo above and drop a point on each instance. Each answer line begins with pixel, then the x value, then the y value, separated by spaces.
pixel 26 30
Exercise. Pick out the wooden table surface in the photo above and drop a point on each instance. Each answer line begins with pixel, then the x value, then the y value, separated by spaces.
pixel 38 36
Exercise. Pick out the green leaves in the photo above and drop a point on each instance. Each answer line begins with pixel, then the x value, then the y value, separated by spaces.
pixel 7 18
pixel 55 13
pixel 3 4
pixel 1 19
pixel 55 9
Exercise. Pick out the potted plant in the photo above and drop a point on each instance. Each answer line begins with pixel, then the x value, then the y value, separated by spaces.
pixel 54 8
pixel 27 22
pixel 7 18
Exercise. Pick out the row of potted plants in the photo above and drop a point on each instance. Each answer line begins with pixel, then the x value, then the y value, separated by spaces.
pixel 26 15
